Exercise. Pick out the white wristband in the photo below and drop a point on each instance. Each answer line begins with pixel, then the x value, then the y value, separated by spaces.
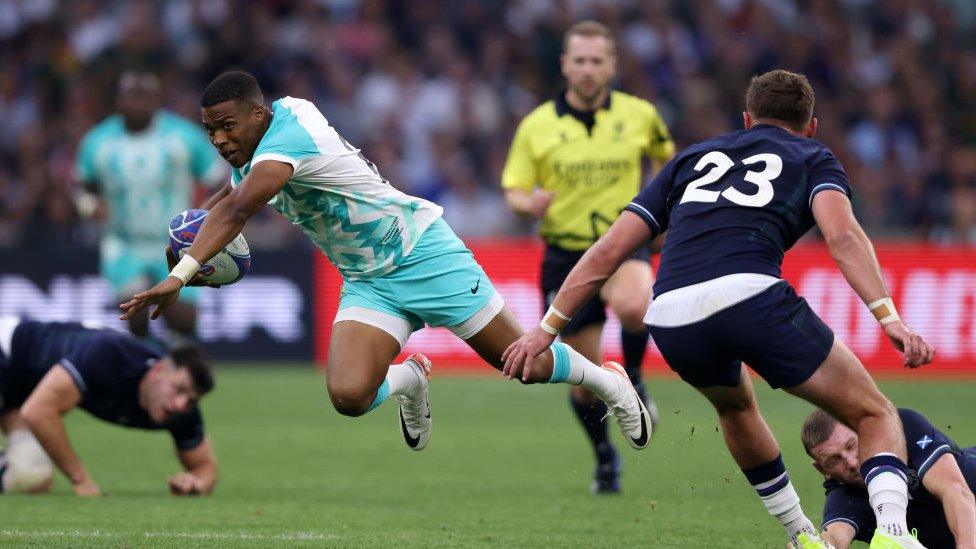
pixel 556 312
pixel 185 269
pixel 884 310
pixel 553 321
pixel 547 328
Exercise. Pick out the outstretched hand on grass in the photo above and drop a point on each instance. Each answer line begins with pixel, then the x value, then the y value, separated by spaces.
pixel 185 484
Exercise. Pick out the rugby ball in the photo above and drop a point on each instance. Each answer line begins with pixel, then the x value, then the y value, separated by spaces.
pixel 227 267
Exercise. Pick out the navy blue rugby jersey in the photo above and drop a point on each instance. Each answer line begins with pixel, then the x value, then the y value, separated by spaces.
pixel 106 365
pixel 735 203
pixel 926 444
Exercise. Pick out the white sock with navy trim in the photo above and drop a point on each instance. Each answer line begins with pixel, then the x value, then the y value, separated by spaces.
pixel 773 486
pixel 887 482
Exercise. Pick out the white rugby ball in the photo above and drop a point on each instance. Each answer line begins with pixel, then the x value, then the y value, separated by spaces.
pixel 227 267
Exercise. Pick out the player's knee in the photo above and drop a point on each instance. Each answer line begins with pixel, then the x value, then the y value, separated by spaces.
pixel 28 468
pixel 631 315
pixel 351 401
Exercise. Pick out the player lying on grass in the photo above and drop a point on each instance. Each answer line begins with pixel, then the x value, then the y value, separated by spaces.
pixel 49 368
pixel 941 508
pixel 402 265
pixel 732 206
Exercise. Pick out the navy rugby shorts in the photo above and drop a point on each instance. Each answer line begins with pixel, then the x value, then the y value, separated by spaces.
pixel 775 332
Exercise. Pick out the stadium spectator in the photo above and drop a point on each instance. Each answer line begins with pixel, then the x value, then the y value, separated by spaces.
pixel 896 84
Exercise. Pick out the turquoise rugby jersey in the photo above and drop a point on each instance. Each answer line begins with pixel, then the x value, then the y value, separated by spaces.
pixel 336 196
pixel 147 177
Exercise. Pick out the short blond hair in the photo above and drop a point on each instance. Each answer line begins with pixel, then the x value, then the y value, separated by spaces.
pixel 590 29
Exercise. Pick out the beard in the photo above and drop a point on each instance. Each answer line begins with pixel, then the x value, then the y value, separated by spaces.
pixel 589 93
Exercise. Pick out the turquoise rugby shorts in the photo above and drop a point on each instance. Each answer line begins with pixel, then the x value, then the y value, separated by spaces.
pixel 132 268
pixel 438 284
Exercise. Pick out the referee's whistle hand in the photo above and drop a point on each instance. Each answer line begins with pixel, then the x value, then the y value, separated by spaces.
pixel 540 202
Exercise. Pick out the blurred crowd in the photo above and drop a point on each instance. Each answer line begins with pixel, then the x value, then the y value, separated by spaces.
pixel 432 90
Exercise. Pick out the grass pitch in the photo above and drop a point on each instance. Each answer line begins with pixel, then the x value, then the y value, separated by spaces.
pixel 506 466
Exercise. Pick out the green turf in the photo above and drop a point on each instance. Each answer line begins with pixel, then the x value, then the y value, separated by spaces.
pixel 506 467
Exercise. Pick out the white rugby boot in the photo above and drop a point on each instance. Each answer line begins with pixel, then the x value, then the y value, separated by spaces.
pixel 628 407
pixel 415 408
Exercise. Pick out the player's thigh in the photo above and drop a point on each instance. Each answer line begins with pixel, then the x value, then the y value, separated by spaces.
pixel 843 388
pixel 696 355
pixel 777 334
pixel 359 357
pixel 628 292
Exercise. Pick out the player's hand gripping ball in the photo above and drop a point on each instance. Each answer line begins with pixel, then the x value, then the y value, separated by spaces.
pixel 227 267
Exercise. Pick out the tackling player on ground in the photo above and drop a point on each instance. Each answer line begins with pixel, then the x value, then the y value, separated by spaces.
pixel 49 368
pixel 732 206
pixel 138 168
pixel 402 265
pixel 575 163
pixel 943 476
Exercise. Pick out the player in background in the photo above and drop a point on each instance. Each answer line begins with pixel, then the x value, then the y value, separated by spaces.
pixel 49 368
pixel 732 206
pixel 402 265
pixel 138 169
pixel 942 507
pixel 575 163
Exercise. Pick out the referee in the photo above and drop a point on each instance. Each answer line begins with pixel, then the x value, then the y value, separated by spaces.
pixel 575 162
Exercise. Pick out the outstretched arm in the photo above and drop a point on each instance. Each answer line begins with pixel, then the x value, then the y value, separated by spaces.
pixel 625 236
pixel 944 480
pixel 200 475
pixel 224 222
pixel 854 254
pixel 229 214
pixel 53 397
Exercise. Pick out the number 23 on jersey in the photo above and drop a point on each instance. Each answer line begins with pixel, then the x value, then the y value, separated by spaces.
pixel 771 164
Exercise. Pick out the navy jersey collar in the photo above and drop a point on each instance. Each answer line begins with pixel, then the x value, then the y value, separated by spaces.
pixel 587 118
pixel 563 106
pixel 764 126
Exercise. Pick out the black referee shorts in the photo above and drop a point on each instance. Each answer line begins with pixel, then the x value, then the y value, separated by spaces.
pixel 556 265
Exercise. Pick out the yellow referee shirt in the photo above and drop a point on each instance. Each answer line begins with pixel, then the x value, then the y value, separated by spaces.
pixel 591 161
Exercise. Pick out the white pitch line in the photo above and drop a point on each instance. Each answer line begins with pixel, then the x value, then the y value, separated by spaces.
pixel 295 536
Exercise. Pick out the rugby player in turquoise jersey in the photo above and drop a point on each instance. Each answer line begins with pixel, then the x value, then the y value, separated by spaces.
pixel 402 265
pixel 138 168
